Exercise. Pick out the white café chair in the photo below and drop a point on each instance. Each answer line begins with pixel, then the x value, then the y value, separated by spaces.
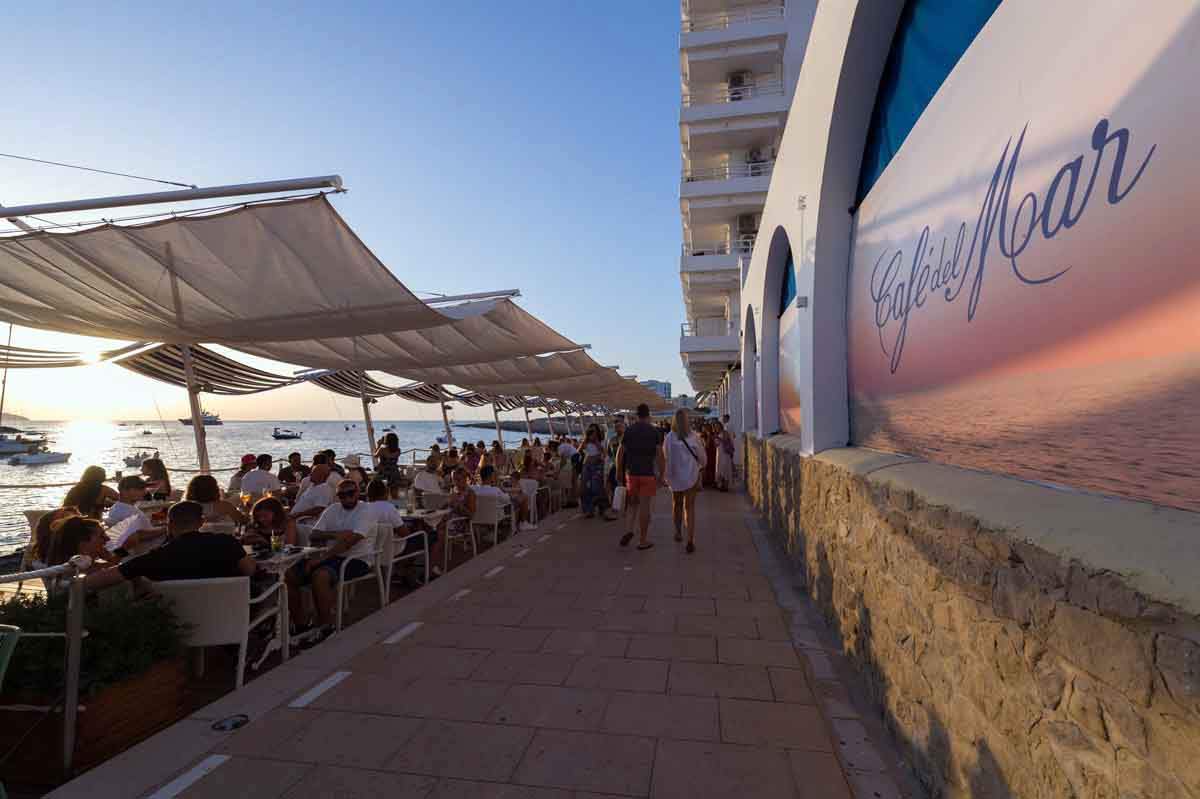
pixel 398 555
pixel 492 512
pixel 217 612
pixel 458 528
pixel 530 489
pixel 28 563
pixel 379 565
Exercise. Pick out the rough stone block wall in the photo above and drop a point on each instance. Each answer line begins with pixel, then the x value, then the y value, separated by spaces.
pixel 1002 670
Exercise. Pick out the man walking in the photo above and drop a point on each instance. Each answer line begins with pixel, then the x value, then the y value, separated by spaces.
pixel 638 456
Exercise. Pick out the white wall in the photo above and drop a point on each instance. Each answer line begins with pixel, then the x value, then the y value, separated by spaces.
pixel 813 187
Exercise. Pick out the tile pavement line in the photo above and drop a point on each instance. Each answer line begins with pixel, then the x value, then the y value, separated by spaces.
pixel 403 632
pixel 492 572
pixel 190 777
pixel 457 595
pixel 308 697
pixel 522 553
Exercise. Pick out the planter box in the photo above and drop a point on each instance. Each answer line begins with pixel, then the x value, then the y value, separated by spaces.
pixel 110 722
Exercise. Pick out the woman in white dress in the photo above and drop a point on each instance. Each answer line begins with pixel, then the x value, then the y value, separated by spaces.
pixel 685 460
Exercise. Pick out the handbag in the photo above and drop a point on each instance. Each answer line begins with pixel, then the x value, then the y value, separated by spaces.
pixel 618 501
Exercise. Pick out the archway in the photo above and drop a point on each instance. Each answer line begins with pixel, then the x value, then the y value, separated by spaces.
pixel 777 299
pixel 749 374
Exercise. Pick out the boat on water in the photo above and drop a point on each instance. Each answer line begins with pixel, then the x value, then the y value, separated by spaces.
pixel 208 419
pixel 138 457
pixel 39 457
pixel 14 441
pixel 281 433
pixel 147 432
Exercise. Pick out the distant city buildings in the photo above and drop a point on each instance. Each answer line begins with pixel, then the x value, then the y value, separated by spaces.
pixel 660 387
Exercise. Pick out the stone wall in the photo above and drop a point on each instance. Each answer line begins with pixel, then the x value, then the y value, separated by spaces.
pixel 1003 667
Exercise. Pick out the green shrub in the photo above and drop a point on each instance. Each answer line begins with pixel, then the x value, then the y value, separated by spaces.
pixel 125 636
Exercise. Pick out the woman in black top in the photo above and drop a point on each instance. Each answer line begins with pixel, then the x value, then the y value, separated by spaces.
pixel 388 457
pixel 158 482
pixel 90 496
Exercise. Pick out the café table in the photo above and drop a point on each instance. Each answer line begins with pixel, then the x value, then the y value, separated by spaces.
pixel 277 563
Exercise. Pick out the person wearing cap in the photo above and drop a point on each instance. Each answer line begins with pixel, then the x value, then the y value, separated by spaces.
pixel 235 482
pixel 261 480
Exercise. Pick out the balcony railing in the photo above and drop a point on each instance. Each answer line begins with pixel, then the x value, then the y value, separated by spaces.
pixel 721 20
pixel 753 169
pixel 714 326
pixel 719 247
pixel 721 93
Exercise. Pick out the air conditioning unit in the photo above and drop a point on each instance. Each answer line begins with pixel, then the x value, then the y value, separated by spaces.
pixel 740 79
pixel 747 224
pixel 755 156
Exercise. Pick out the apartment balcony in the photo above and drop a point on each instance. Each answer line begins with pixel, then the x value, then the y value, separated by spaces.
pixel 726 179
pixel 706 263
pixel 716 24
pixel 708 336
pixel 719 101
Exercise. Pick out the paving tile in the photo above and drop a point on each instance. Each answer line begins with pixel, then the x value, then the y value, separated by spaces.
pixel 565 618
pixel 263 736
pixel 692 770
pixel 663 716
pixel 403 663
pixel 572 642
pixel 651 585
pixel 857 750
pixel 791 685
pixel 553 707
pixel 696 606
pixel 772 629
pixel 819 775
pixel 603 763
pixel 673 647
pixel 458 700
pixel 719 679
pixel 245 777
pixel 873 786
pixel 723 626
pixel 715 590
pixel 754 610
pixel 464 750
pixel 538 668
pixel 468 789
pixel 344 783
pixel 774 724
pixel 462 613
pixel 355 740
pixel 619 674
pixel 835 699
pixel 639 622
pixel 761 653
pixel 609 603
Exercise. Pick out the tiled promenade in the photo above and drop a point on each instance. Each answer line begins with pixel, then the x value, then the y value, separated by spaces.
pixel 556 665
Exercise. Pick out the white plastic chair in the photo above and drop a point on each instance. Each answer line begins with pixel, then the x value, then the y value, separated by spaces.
pixel 457 528
pixel 380 537
pixel 217 612
pixel 492 512
pixel 28 563
pixel 530 489
pixel 398 556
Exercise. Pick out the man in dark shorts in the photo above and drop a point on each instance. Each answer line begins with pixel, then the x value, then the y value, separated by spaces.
pixel 640 452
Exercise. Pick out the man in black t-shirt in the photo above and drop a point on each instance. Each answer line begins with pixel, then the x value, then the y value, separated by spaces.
pixel 640 466
pixel 295 471
pixel 188 555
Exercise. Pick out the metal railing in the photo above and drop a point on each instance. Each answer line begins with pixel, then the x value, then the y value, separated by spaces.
pixel 723 93
pixel 720 20
pixel 749 169
pixel 708 326
pixel 718 248
pixel 71 574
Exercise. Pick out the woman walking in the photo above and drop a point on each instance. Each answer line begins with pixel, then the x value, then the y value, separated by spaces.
pixel 708 440
pixel 724 457
pixel 686 460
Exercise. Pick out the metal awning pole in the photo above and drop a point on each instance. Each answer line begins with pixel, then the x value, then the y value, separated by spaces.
pixel 550 422
pixel 198 431
pixel 499 429
pixel 446 422
pixel 366 403
pixel 528 424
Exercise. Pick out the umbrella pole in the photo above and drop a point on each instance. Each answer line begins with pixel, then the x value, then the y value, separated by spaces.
pixel 193 391
pixel 499 429
pixel 528 424
pixel 550 423
pixel 446 422
pixel 366 403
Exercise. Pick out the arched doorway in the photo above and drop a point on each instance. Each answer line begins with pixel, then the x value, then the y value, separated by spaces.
pixel 749 374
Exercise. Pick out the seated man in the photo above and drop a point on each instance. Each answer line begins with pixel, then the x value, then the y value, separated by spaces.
pixel 131 528
pixel 427 479
pixel 380 510
pixel 345 525
pixel 295 471
pixel 188 555
pixel 235 482
pixel 487 488
pixel 306 481
pixel 261 480
pixel 319 495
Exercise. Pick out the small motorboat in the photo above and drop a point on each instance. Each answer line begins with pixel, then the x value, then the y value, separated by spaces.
pixel 14 441
pixel 138 457
pixel 442 440
pixel 282 433
pixel 39 457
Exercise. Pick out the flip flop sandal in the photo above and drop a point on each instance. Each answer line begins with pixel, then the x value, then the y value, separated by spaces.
pixel 625 539
pixel 644 547
pixel 690 547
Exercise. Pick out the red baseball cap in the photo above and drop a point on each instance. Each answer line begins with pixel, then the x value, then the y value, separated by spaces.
pixel 248 459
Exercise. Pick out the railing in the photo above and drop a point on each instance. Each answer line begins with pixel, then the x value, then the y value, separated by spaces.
pixel 722 93
pixel 721 20
pixel 719 247
pixel 72 573
pixel 750 169
pixel 714 326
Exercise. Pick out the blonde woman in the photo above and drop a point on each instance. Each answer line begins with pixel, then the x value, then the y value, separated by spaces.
pixel 685 461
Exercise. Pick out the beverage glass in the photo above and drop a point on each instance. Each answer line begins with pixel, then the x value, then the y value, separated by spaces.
pixel 276 542
pixel 245 499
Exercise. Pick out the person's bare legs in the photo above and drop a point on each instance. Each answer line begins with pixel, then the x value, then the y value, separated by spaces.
pixel 677 513
pixel 689 517
pixel 323 596
pixel 645 505
pixel 295 600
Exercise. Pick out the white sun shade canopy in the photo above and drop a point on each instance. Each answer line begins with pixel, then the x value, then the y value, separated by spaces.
pixel 287 280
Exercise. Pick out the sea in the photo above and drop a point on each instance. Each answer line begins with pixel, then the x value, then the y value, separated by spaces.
pixel 106 444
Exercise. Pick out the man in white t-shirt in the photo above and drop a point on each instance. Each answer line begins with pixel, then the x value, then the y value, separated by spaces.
pixel 427 479
pixel 345 527
pixel 130 528
pixel 320 494
pixel 261 480
pixel 379 510
pixel 131 489
pixel 487 488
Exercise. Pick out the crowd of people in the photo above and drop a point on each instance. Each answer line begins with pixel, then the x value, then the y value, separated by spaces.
pixel 144 529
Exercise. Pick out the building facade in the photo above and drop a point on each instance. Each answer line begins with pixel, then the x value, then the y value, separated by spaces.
pixel 660 387
pixel 739 63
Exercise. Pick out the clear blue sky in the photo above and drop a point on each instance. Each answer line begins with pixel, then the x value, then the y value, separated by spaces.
pixel 486 145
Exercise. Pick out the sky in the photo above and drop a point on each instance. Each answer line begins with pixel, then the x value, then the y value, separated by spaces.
pixel 484 145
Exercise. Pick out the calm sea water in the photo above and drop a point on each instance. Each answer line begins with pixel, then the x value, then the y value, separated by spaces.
pixel 106 444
